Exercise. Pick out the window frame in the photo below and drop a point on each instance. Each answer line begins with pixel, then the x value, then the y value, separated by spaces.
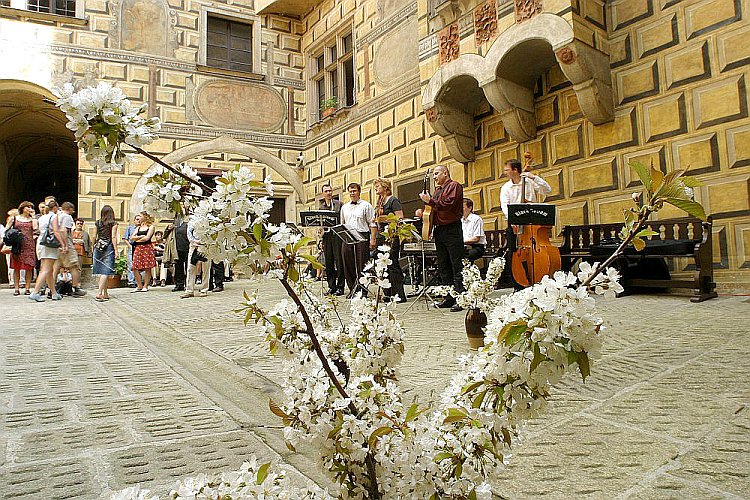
pixel 23 5
pixel 332 50
pixel 236 16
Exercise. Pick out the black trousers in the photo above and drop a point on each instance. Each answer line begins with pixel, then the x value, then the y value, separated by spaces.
pixel 473 252
pixel 511 245
pixel 216 279
pixel 395 273
pixel 449 243
pixel 334 261
pixel 355 257
pixel 180 268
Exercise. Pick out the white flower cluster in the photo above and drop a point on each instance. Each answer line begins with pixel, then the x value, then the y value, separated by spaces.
pixel 252 481
pixel 166 194
pixel 607 283
pixel 477 290
pixel 232 223
pixel 102 119
pixel 376 271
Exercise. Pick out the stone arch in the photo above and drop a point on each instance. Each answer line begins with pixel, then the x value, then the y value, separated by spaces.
pixel 223 144
pixel 507 74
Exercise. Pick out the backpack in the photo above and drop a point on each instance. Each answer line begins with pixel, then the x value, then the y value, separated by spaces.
pixel 13 238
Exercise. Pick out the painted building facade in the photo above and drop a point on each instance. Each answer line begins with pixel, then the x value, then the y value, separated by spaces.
pixel 586 86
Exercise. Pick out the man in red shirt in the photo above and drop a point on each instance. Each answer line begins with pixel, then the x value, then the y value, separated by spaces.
pixel 447 210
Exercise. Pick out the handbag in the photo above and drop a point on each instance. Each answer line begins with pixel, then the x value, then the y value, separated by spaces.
pixel 12 240
pixel 48 238
pixel 100 245
pixel 197 257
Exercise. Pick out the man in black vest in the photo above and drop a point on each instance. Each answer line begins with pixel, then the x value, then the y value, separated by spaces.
pixel 332 245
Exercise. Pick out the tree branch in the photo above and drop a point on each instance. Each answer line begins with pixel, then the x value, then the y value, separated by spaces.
pixel 172 169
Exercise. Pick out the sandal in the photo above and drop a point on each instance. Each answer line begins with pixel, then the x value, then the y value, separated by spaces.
pixel 16 293
pixel 99 298
pixel 135 290
pixel 27 292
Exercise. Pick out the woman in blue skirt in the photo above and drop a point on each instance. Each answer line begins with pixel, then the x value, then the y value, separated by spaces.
pixel 105 252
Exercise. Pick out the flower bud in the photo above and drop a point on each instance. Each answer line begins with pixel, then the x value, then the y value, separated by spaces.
pixel 636 197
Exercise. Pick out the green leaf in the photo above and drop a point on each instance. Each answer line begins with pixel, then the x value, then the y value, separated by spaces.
pixel 442 456
pixel 513 332
pixel 293 274
pixel 223 180
pixel 258 231
pixel 506 436
pixel 583 365
pixel 691 182
pixel 276 409
pixel 472 495
pixel 380 431
pixel 290 447
pixel 643 173
pixel 646 232
pixel 638 243
pixel 538 357
pixel 414 412
pixel 302 242
pixel 479 398
pixel 455 415
pixel 459 470
pixel 691 207
pixel 263 473
pixel 312 260
pixel 657 178
pixel 470 387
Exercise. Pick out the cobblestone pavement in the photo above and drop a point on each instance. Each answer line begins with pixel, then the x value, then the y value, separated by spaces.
pixel 149 387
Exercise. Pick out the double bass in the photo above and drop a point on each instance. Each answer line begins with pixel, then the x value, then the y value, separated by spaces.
pixel 535 255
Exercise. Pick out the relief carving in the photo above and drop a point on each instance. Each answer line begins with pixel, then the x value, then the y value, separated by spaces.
pixel 145 26
pixel 566 55
pixel 431 114
pixel 241 106
pixel 485 22
pixel 448 43
pixel 526 9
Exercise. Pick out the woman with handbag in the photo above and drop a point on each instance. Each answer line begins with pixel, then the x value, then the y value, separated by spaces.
pixel 105 251
pixel 23 255
pixel 47 250
pixel 144 258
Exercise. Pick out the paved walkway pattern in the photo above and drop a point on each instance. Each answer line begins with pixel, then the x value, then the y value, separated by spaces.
pixel 148 387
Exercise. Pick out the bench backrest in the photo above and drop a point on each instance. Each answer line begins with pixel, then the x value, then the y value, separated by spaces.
pixel 495 240
pixel 580 238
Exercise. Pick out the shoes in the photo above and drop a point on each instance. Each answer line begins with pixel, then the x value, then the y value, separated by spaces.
pixel 16 293
pixel 132 285
pixel 144 289
pixel 56 296
pixel 200 294
pixel 37 297
pixel 49 294
pixel 163 283
pixel 135 290
pixel 99 298
pixel 187 295
pixel 447 302
pixel 27 292
pixel 178 289
pixel 340 292
pixel 77 292
pixel 218 289
pixel 456 308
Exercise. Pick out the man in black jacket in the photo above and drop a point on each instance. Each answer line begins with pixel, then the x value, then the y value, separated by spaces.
pixel 183 246
pixel 332 245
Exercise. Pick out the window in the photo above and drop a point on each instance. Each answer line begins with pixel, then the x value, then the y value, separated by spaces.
pixel 4 3
pixel 332 75
pixel 59 7
pixel 229 44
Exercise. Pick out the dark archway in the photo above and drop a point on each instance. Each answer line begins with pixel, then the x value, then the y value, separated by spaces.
pixel 38 154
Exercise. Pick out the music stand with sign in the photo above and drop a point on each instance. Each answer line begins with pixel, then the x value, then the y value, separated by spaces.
pixel 539 214
pixel 350 238
pixel 325 219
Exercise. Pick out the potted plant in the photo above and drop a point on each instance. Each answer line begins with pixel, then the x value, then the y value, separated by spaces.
pixel 328 106
pixel 477 298
pixel 121 267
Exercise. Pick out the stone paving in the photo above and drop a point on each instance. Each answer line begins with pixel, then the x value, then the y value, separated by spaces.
pixel 149 387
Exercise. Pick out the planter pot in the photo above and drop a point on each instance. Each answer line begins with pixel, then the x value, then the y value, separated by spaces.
pixel 475 322
pixel 113 281
pixel 328 112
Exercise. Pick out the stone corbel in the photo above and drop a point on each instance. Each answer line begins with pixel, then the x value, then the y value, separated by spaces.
pixel 455 127
pixel 515 104
pixel 589 72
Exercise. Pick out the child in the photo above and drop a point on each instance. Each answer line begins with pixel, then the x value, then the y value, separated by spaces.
pixel 64 283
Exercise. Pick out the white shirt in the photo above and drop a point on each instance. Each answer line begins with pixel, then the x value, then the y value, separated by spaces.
pixel 536 190
pixel 44 222
pixel 357 217
pixel 473 225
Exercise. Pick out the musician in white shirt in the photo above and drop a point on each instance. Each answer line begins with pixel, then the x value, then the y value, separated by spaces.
pixel 357 216
pixel 536 188
pixel 473 228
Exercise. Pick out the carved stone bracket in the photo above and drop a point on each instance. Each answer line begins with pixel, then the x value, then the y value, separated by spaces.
pixel 451 112
pixel 485 22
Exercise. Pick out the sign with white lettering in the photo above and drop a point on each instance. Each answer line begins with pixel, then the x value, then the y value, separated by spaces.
pixel 541 214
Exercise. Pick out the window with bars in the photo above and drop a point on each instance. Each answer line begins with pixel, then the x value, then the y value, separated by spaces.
pixel 229 44
pixel 4 3
pixel 332 76
pixel 59 7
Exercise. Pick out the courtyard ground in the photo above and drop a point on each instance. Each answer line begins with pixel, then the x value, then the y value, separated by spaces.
pixel 148 387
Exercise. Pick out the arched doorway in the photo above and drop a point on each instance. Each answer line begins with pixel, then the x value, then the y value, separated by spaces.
pixel 291 194
pixel 38 154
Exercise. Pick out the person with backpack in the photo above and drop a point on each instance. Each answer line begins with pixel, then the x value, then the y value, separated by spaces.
pixel 47 248
pixel 105 251
pixel 19 235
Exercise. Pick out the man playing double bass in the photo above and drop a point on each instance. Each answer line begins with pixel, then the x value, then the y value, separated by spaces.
pixel 534 190
pixel 447 206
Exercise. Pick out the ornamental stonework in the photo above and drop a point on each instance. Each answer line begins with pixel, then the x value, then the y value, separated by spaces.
pixel 485 22
pixel 566 55
pixel 431 114
pixel 448 43
pixel 526 9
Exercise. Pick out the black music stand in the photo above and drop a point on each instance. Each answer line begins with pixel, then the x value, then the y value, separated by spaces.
pixel 349 238
pixel 318 218
pixel 425 284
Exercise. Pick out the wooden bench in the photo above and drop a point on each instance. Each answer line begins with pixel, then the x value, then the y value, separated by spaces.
pixel 683 237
